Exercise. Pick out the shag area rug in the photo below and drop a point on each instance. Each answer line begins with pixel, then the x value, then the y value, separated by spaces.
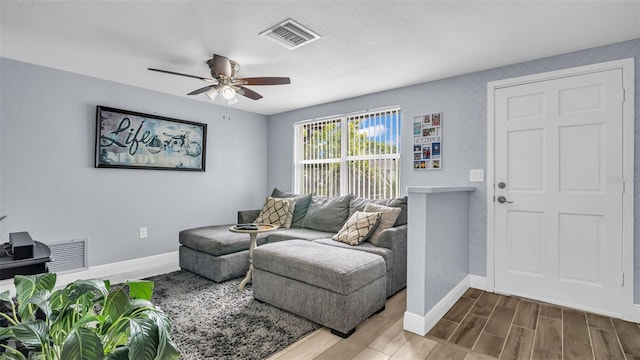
pixel 215 321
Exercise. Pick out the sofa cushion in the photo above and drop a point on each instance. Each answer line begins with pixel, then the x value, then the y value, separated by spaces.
pixel 274 212
pixel 289 218
pixel 301 207
pixel 339 270
pixel 218 240
pixel 358 228
pixel 301 233
pixel 327 213
pixel 388 219
pixel 358 204
pixel 386 254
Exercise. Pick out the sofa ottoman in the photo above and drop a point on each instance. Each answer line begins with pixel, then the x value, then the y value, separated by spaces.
pixel 335 287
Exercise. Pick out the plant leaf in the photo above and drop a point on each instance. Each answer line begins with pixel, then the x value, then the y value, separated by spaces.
pixel 120 353
pixel 82 344
pixel 138 305
pixel 31 332
pixel 143 340
pixel 81 288
pixel 27 286
pixel 5 333
pixel 41 300
pixel 167 349
pixel 114 305
pixel 11 353
pixel 6 296
pixel 140 289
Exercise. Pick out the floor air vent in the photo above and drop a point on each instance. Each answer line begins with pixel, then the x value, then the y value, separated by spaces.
pixel 290 34
pixel 68 255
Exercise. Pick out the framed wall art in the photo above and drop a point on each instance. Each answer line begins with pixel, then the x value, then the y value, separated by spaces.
pixel 132 140
pixel 427 142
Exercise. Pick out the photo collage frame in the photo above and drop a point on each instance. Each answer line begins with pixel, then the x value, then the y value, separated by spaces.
pixel 427 142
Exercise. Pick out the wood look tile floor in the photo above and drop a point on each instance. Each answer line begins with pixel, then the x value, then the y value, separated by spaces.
pixel 480 326
pixel 513 328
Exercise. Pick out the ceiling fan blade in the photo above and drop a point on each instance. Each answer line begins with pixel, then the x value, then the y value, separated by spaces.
pixel 180 74
pixel 248 93
pixel 264 81
pixel 220 66
pixel 201 90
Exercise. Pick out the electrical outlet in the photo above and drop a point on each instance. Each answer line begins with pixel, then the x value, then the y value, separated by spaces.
pixel 143 233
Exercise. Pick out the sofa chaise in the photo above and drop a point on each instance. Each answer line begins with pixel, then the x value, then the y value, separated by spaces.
pixel 355 278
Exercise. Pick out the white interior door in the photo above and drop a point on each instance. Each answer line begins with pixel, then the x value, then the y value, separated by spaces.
pixel 559 166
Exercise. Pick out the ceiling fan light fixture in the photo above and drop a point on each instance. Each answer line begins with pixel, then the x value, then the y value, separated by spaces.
pixel 211 94
pixel 232 101
pixel 228 92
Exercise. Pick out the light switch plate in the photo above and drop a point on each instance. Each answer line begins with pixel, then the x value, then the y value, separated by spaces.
pixel 476 175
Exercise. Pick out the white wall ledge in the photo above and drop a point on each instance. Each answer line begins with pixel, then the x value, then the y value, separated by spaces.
pixel 438 189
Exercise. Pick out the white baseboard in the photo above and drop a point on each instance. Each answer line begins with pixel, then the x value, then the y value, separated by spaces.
pixel 478 282
pixel 632 314
pixel 421 325
pixel 115 272
pixel 414 323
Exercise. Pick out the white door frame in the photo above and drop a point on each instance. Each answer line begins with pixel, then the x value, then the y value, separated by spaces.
pixel 629 310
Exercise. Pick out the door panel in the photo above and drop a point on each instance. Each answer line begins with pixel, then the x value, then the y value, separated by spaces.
pixel 526 106
pixel 525 245
pixel 579 99
pixel 581 151
pixel 558 148
pixel 525 154
pixel 580 243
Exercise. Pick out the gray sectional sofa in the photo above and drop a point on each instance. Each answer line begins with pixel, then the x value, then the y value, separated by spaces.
pixel 218 254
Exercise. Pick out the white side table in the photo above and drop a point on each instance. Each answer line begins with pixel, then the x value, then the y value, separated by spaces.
pixel 253 234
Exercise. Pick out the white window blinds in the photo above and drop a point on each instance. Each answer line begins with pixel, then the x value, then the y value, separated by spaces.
pixel 356 154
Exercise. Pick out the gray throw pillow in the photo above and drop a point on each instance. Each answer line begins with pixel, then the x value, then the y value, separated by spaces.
pixel 358 204
pixel 300 210
pixel 402 204
pixel 388 219
pixel 327 213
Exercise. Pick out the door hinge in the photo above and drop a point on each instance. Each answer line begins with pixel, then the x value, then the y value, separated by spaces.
pixel 622 94
pixel 622 279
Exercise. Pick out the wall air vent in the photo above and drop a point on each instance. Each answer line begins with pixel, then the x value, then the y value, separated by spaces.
pixel 68 255
pixel 290 34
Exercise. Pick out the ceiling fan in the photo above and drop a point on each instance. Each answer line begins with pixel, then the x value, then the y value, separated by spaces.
pixel 225 82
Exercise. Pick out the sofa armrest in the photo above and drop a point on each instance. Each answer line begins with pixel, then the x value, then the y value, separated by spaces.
pixel 389 237
pixel 247 216
pixel 395 239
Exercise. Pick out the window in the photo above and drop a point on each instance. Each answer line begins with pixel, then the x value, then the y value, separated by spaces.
pixel 356 154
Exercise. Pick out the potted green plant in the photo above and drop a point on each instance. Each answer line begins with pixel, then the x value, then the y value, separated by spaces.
pixel 85 320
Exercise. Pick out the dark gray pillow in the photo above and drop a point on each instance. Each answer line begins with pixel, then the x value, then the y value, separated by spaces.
pixel 327 213
pixel 358 204
pixel 301 207
pixel 402 204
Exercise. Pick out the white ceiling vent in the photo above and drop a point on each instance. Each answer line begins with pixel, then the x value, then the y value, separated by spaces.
pixel 290 34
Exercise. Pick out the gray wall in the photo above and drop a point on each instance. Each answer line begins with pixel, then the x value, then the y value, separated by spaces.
pixel 51 189
pixel 463 100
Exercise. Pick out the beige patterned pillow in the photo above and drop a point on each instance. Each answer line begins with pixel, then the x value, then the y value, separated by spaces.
pixel 358 228
pixel 388 219
pixel 289 219
pixel 274 212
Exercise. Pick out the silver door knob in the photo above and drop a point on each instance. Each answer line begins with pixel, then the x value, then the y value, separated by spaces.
pixel 502 200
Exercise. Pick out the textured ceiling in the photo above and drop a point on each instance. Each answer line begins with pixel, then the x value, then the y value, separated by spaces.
pixel 366 46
